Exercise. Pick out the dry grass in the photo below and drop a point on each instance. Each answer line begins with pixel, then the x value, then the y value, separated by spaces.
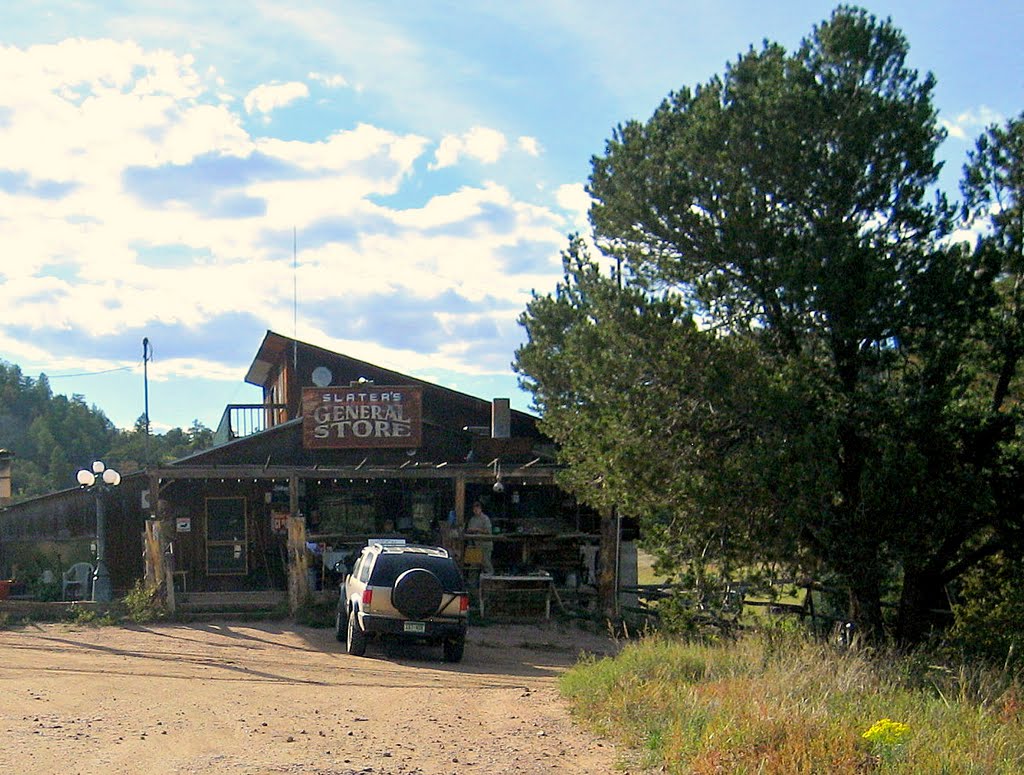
pixel 645 569
pixel 761 706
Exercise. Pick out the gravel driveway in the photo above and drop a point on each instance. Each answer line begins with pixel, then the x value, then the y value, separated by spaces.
pixel 272 698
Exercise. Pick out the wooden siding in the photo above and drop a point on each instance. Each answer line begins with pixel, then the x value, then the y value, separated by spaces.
pixel 52 532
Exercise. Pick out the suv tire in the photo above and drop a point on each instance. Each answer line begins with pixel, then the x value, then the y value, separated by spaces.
pixel 355 642
pixel 454 648
pixel 341 626
pixel 417 593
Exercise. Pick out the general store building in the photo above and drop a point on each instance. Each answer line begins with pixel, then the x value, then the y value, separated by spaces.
pixel 339 451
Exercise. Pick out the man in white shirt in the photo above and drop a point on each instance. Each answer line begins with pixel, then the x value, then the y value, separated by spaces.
pixel 480 524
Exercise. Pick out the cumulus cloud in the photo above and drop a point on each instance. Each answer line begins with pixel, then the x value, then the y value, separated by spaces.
pixel 573 198
pixel 970 123
pixel 271 96
pixel 138 203
pixel 334 81
pixel 530 145
pixel 479 143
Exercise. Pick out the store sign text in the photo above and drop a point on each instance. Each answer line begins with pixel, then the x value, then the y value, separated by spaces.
pixel 381 417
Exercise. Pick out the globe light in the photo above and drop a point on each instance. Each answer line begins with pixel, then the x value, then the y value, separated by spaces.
pixel 98 481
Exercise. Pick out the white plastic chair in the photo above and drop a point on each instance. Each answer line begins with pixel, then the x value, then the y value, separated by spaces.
pixel 77 582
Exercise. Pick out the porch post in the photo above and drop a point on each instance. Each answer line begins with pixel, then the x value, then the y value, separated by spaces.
pixel 460 501
pixel 154 556
pixel 151 554
pixel 298 564
pixel 607 580
pixel 298 561
pixel 452 534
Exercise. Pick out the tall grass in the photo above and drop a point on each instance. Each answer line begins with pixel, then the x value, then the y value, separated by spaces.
pixel 795 706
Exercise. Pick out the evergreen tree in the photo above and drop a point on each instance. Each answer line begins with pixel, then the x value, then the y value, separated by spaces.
pixel 786 367
pixel 53 436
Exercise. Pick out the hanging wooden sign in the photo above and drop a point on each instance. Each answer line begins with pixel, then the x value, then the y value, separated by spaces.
pixel 279 521
pixel 362 416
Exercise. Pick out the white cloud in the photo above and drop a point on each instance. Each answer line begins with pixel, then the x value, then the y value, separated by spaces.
pixel 970 123
pixel 136 199
pixel 87 256
pixel 479 143
pixel 331 81
pixel 271 96
pixel 530 145
pixel 573 198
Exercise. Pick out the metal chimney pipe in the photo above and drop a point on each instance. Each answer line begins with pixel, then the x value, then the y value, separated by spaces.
pixel 501 418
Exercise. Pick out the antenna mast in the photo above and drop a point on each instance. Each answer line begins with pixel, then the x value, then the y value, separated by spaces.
pixel 295 302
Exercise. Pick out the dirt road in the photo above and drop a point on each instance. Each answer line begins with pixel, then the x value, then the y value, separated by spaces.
pixel 269 698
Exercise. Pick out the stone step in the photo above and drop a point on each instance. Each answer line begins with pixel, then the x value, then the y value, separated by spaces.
pixel 233 602
pixel 250 615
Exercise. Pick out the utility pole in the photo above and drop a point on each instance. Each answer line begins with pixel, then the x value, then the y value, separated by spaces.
pixel 146 354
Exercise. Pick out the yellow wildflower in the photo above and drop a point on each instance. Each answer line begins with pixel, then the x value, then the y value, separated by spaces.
pixel 887 733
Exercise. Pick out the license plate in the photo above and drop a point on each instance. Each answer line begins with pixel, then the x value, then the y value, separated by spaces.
pixel 420 627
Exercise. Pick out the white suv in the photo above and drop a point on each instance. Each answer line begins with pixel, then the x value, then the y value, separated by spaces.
pixel 404 591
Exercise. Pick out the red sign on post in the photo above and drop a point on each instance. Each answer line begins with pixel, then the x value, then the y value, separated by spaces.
pixel 362 416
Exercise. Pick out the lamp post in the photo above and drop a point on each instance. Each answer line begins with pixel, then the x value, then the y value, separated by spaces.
pixel 99 480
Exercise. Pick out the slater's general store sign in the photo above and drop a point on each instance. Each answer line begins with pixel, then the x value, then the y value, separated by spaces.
pixel 362 416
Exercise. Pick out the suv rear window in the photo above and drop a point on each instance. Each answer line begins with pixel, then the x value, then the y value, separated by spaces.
pixel 390 566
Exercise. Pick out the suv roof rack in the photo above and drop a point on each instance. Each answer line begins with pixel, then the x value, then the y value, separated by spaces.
pixel 387 548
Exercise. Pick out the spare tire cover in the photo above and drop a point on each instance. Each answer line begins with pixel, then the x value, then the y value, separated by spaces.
pixel 417 593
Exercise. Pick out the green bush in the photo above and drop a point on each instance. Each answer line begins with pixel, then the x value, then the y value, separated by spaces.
pixel 89 616
pixel 317 612
pixel 144 605
pixel 46 592
pixel 989 619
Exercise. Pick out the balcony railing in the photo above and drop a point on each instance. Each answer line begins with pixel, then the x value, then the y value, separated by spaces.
pixel 241 420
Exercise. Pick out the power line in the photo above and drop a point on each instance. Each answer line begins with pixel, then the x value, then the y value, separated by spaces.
pixel 88 373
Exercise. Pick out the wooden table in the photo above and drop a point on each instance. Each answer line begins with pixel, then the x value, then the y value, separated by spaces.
pixel 530 544
pixel 507 587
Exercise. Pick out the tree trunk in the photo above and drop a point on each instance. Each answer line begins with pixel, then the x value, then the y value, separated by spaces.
pixel 922 601
pixel 865 612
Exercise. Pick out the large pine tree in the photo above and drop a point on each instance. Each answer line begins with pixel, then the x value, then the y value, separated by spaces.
pixel 789 366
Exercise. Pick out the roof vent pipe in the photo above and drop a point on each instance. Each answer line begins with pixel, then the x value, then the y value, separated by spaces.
pixel 501 418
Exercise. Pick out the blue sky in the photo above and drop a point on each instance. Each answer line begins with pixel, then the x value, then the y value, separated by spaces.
pixel 429 159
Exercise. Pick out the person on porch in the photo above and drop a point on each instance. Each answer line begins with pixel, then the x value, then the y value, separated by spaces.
pixel 480 524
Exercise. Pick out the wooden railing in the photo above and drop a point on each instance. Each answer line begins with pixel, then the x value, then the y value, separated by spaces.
pixel 240 420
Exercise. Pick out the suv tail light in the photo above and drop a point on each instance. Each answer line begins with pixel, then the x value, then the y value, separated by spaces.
pixel 367 596
pixel 463 603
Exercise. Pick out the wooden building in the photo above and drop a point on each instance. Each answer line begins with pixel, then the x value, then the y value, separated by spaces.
pixel 53 532
pixel 360 451
pixel 350 451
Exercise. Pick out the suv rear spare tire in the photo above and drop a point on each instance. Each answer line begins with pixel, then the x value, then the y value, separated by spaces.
pixel 417 593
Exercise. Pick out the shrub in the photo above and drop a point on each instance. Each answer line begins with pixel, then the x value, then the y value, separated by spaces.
pixel 989 619
pixel 317 612
pixel 46 591
pixel 144 605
